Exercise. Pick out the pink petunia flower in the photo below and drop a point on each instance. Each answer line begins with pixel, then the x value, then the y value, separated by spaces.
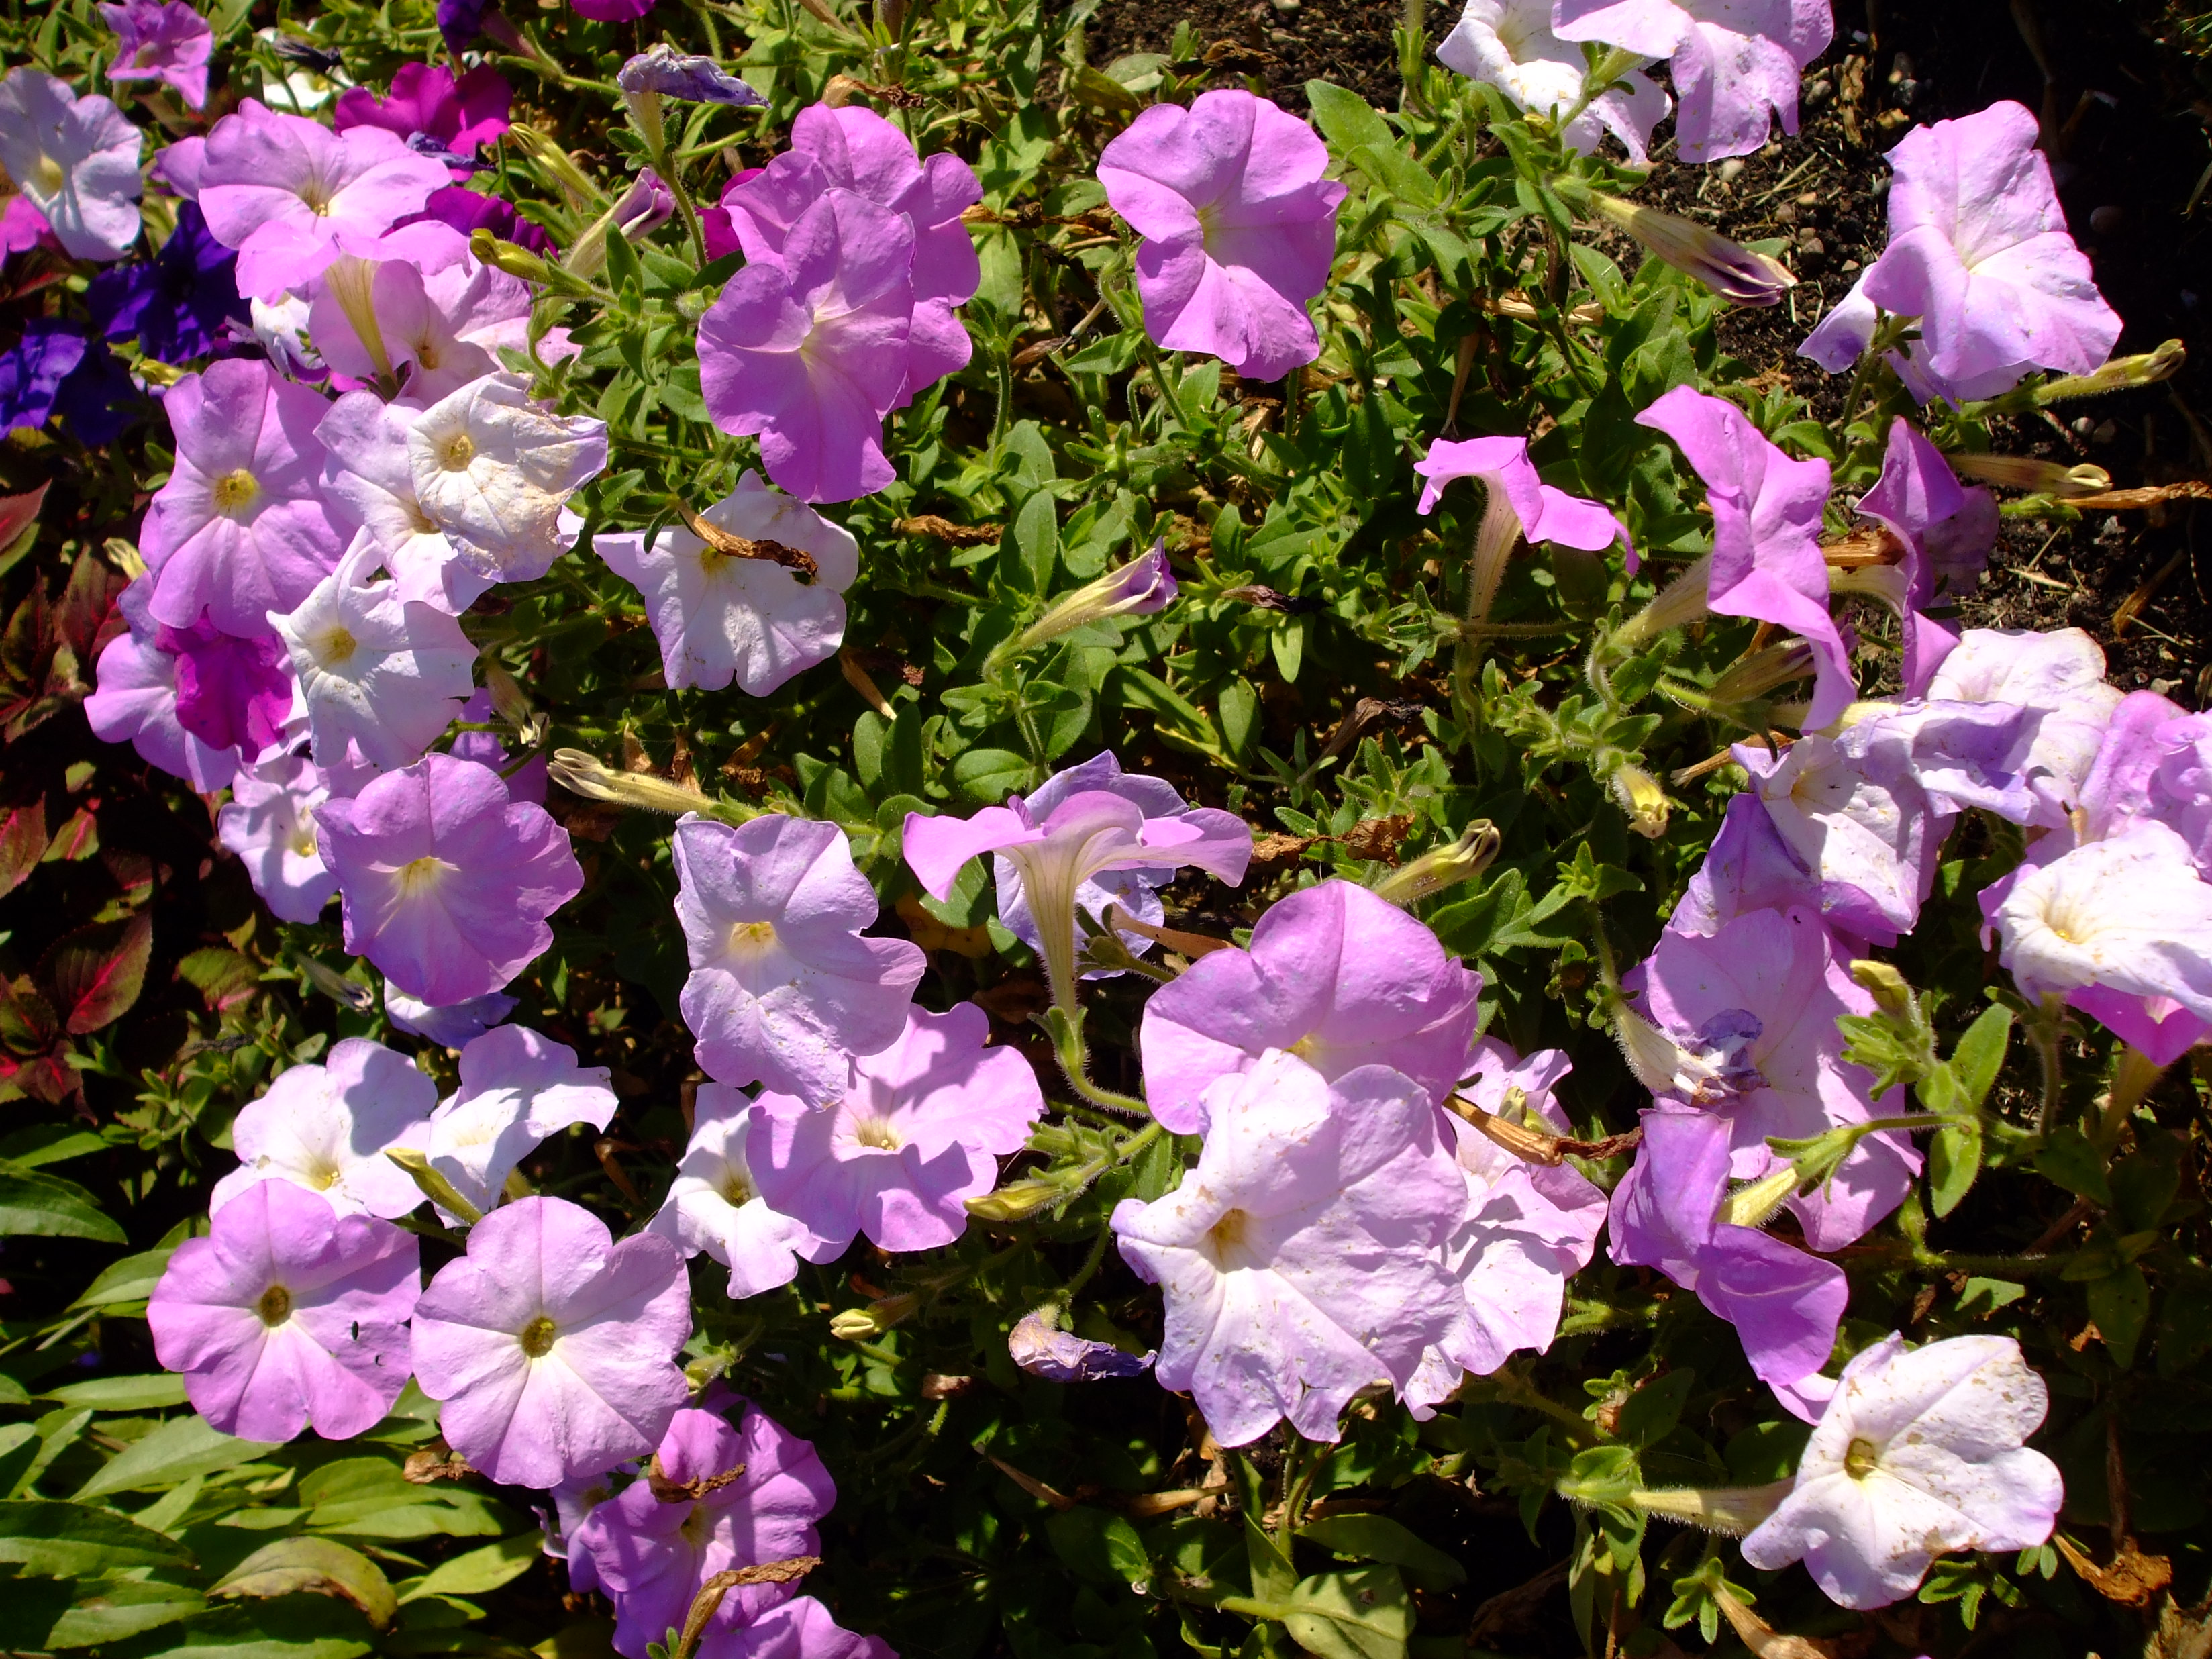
pixel 420 310
pixel 807 347
pixel 288 1313
pixel 1301 1261
pixel 74 160
pixel 240 528
pixel 325 1127
pixel 918 1133
pixel 856 149
pixel 231 693
pixel 290 195
pixel 161 42
pixel 715 1203
pixel 1334 975
pixel 550 1346
pixel 799 1629
pixel 369 483
pixel 1732 61
pixel 783 988
pixel 136 700
pixel 269 823
pixel 447 880
pixel 1238 226
pixel 461 115
pixel 2061 674
pixel 516 1088
pixel 718 618
pixel 1509 44
pixel 1947 531
pixel 1516 502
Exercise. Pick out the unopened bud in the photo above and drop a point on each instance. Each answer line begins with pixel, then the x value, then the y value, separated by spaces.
pixel 860 1324
pixel 1643 799
pixel 1138 588
pixel 1751 677
pixel 512 704
pixel 435 1188
pixel 1885 986
pixel 1734 1510
pixel 155 372
pixel 2039 477
pixel 346 992
pixel 1654 1059
pixel 1016 1200
pixel 1446 867
pixel 584 774
pixel 2148 369
pixel 1754 1206
pixel 1730 269
pixel 543 150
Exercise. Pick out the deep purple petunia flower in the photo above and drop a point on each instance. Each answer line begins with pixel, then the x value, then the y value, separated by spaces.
pixel 180 301
pixel 661 71
pixel 460 21
pixel 288 1313
pixel 161 42
pixel 99 400
pixel 32 369
pixel 231 693
pixel 425 99
pixel 467 211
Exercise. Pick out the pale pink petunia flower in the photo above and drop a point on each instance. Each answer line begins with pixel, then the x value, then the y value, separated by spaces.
pixel 288 1313
pixel 325 1127
pixel 1509 44
pixel 369 483
pixel 2060 673
pixel 2129 914
pixel 493 472
pixel 161 42
pixel 420 309
pixel 517 1089
pixel 1239 226
pixel 551 1347
pixel 715 1203
pixel 720 618
pixel 269 823
pixel 75 159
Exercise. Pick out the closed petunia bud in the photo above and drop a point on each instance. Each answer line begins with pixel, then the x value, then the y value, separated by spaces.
pixel 1730 269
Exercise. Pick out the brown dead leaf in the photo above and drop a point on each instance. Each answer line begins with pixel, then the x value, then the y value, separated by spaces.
pixel 944 530
pixel 1378 838
pixel 930 933
pixel 2132 1579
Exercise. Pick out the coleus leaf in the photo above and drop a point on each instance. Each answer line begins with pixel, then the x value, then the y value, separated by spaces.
pixel 96 974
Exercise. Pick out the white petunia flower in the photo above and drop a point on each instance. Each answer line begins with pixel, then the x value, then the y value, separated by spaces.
pixel 371 482
pixel 2130 914
pixel 492 471
pixel 1509 44
pixel 75 159
pixel 715 1205
pixel 516 1088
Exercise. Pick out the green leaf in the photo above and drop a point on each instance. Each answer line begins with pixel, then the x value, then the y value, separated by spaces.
pixel 1954 1159
pixel 131 1279
pixel 1364 1614
pixel 1979 1055
pixel 990 775
pixel 2119 1303
pixel 1100 1546
pixel 1273 1575
pixel 50 1207
pixel 1030 551
pixel 1238 707
pixel 155 1392
pixel 48 1538
pixel 1650 1413
pixel 481 1569
pixel 42 1144
pixel 1378 1537
pixel 123 1608
pixel 1346 119
pixel 179 1450
pixel 2067 1157
pixel 319 1567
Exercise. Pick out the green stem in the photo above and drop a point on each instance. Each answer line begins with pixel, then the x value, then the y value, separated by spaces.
pixel 1519 1391
pixel 2043 1032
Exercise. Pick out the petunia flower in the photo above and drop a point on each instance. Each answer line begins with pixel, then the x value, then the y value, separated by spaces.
pixel 718 617
pixel 806 347
pixel 1334 975
pixel 784 988
pixel 31 372
pixel 611 11
pixel 1143 587
pixel 23 228
pixel 517 1089
pixel 1301 1261
pixel 852 148
pixel 1667 1213
pixel 231 693
pixel 1766 560
pixel 450 1025
pixel 528 782
pixel 715 1203
pixel 2061 675
pixel 461 208
pixel 1516 503
pixel 1919 1453
pixel 288 1313
pixel 460 21
pixel 1238 224
pixel 462 115
pixel 424 314
pixel 1509 44
pixel 100 398
pixel 1946 530
pixel 1043 1349
pixel 799 1629
pixel 551 1347
pixel 369 483
pixel 135 700
pixel 178 303
pixel 447 880
pixel 386 673
pixel 492 471
pixel 1529 1227
pixel 290 195
pixel 240 528
pixel 2129 914
pixel 1081 836
pixel 1731 63
pixel 918 1132
pixel 269 823
pixel 716 1497
pixel 665 72
pixel 170 43
pixel 75 159
pixel 325 1127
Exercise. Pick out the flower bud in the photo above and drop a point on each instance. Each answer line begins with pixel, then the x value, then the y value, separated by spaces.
pixel 1644 800
pixel 2039 477
pixel 1730 269
pixel 512 704
pixel 435 1188
pixel 511 258
pixel 1017 1201
pixel 1446 867
pixel 1751 677
pixel 855 1325
pixel 1755 1205
pixel 1885 986
pixel 584 774
pixel 1138 588
pixel 2148 369
pixel 860 1324
pixel 548 155
pixel 1733 1511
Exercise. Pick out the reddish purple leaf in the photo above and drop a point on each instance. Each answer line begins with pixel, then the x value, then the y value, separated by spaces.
pixel 23 842
pixel 18 513
pixel 95 973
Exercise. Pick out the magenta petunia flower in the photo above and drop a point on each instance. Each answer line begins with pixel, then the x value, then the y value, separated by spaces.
pixel 75 159
pixel 290 195
pixel 1766 561
pixel 241 529
pixel 23 228
pixel 2061 674
pixel 715 1203
pixel 517 1089
pixel 369 483
pixel 1947 531
pixel 611 11
pixel 269 823
pixel 783 988
pixel 1301 1261
pixel 551 1347
pixel 169 42
pixel 1333 975
pixel 1732 61
pixel 856 149
pixel 447 880
pixel 231 693
pixel 918 1133
pixel 1509 44
pixel 288 1313
pixel 756 1491
pixel 807 347
pixel 718 617
pixel 136 700
pixel 1239 226
pixel 325 1127
pixel 462 115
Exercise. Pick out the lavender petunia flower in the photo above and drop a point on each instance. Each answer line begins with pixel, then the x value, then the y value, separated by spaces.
pixel 799 1629
pixel 1947 531
pixel 288 1313
pixel 325 1127
pixel 290 195
pixel 425 314
pixel 369 483
pixel 32 369
pixel 1666 1213
pixel 550 1346
pixel 516 1088
pixel 918 1133
pixel 270 824
pixel 1238 224
pixel 493 471
pixel 1334 975
pixel 1509 44
pixel 715 1497
pixel 170 43
pixel 527 783
pixel 450 1025
pixel 1043 1349
pixel 1919 1453
pixel 2129 915
pixel 1766 560
pixel 241 529
pixel 718 618
pixel 462 115
pixel 667 73
pixel 75 159
pixel 178 303
pixel 1301 1259
pixel 2061 675
pixel 136 700
pixel 1732 62
pixel 447 880
pixel 715 1203
pixel 1784 971
pixel 807 347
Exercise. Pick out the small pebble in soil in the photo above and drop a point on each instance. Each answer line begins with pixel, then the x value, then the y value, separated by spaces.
pixel 1731 169
pixel 2107 219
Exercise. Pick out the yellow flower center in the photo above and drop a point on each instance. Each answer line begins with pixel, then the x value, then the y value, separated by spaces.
pixel 336 646
pixel 421 875
pixel 736 1191
pixel 1861 1459
pixel 749 939
pixel 537 1337
pixel 235 491
pixel 878 1132
pixel 47 177
pixel 456 452
pixel 1226 1243
pixel 275 1306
